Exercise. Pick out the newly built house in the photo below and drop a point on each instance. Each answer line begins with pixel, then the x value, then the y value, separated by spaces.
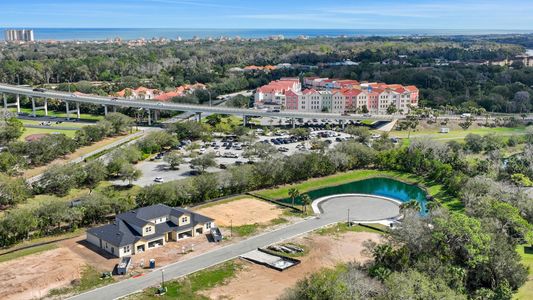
pixel 146 228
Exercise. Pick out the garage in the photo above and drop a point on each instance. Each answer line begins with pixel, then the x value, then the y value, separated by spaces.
pixel 155 243
pixel 184 235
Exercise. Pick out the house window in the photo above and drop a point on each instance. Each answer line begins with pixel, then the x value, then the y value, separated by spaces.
pixel 208 225
pixel 126 249
pixel 184 219
pixel 148 229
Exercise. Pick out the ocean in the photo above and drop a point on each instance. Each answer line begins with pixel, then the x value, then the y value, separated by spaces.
pixel 84 34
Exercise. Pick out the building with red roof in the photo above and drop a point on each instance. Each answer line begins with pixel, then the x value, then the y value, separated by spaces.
pixel 337 95
pixel 274 92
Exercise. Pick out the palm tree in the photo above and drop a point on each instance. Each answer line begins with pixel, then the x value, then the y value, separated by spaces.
pixel 411 204
pixel 306 200
pixel 293 193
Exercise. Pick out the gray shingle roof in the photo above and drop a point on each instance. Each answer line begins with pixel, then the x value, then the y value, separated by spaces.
pixel 121 232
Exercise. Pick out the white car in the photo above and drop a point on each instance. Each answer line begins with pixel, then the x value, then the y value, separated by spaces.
pixel 158 179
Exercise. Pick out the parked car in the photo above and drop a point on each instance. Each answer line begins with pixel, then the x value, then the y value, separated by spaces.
pixel 158 179
pixel 41 90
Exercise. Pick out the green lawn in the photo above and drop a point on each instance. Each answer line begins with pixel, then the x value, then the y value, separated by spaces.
pixel 64 124
pixel 459 134
pixel 51 113
pixel 29 131
pixel 434 189
pixel 187 288
pixel 526 291
pixel 90 279
pixel 29 251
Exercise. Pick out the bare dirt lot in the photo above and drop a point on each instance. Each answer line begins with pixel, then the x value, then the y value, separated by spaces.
pixel 242 212
pixel 259 282
pixel 33 276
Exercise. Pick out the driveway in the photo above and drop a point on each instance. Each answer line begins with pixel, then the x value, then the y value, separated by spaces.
pixel 334 211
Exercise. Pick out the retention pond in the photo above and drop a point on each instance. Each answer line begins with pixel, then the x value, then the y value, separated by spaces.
pixel 384 187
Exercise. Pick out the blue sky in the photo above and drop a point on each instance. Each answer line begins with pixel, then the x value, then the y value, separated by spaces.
pixel 352 14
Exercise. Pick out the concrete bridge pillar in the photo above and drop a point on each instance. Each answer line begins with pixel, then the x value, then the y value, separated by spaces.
pixel 342 123
pixel 114 109
pixel 198 117
pixel 293 121
pixel 149 117
pixel 245 120
pixel 77 110
pixel 105 109
pixel 17 103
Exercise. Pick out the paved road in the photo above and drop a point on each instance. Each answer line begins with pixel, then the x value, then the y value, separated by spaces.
pixel 99 150
pixel 335 210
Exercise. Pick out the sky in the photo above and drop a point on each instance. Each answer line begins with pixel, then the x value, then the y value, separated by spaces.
pixel 315 14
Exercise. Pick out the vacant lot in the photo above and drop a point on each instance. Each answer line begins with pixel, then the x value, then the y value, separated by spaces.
pixel 34 276
pixel 242 212
pixel 259 282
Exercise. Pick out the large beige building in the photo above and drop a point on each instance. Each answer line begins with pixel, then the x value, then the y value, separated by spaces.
pixel 374 98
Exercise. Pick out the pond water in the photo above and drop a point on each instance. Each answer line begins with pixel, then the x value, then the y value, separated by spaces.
pixel 385 187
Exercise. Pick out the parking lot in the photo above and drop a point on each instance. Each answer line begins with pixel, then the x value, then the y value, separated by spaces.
pixel 275 121
pixel 227 153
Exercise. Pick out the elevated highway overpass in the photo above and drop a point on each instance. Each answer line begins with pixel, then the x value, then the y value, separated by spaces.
pixel 161 106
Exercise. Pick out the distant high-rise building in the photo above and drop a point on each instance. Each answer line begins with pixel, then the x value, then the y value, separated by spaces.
pixel 19 35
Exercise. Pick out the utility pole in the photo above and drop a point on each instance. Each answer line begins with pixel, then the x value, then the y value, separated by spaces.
pixel 349 217
pixel 163 278
pixel 231 227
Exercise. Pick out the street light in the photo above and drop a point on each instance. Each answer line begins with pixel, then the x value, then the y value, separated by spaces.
pixel 163 278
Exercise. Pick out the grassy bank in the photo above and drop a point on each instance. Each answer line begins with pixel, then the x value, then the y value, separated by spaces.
pixel 188 288
pixel 526 291
pixel 90 279
pixel 25 252
pixel 434 189
pixel 343 227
